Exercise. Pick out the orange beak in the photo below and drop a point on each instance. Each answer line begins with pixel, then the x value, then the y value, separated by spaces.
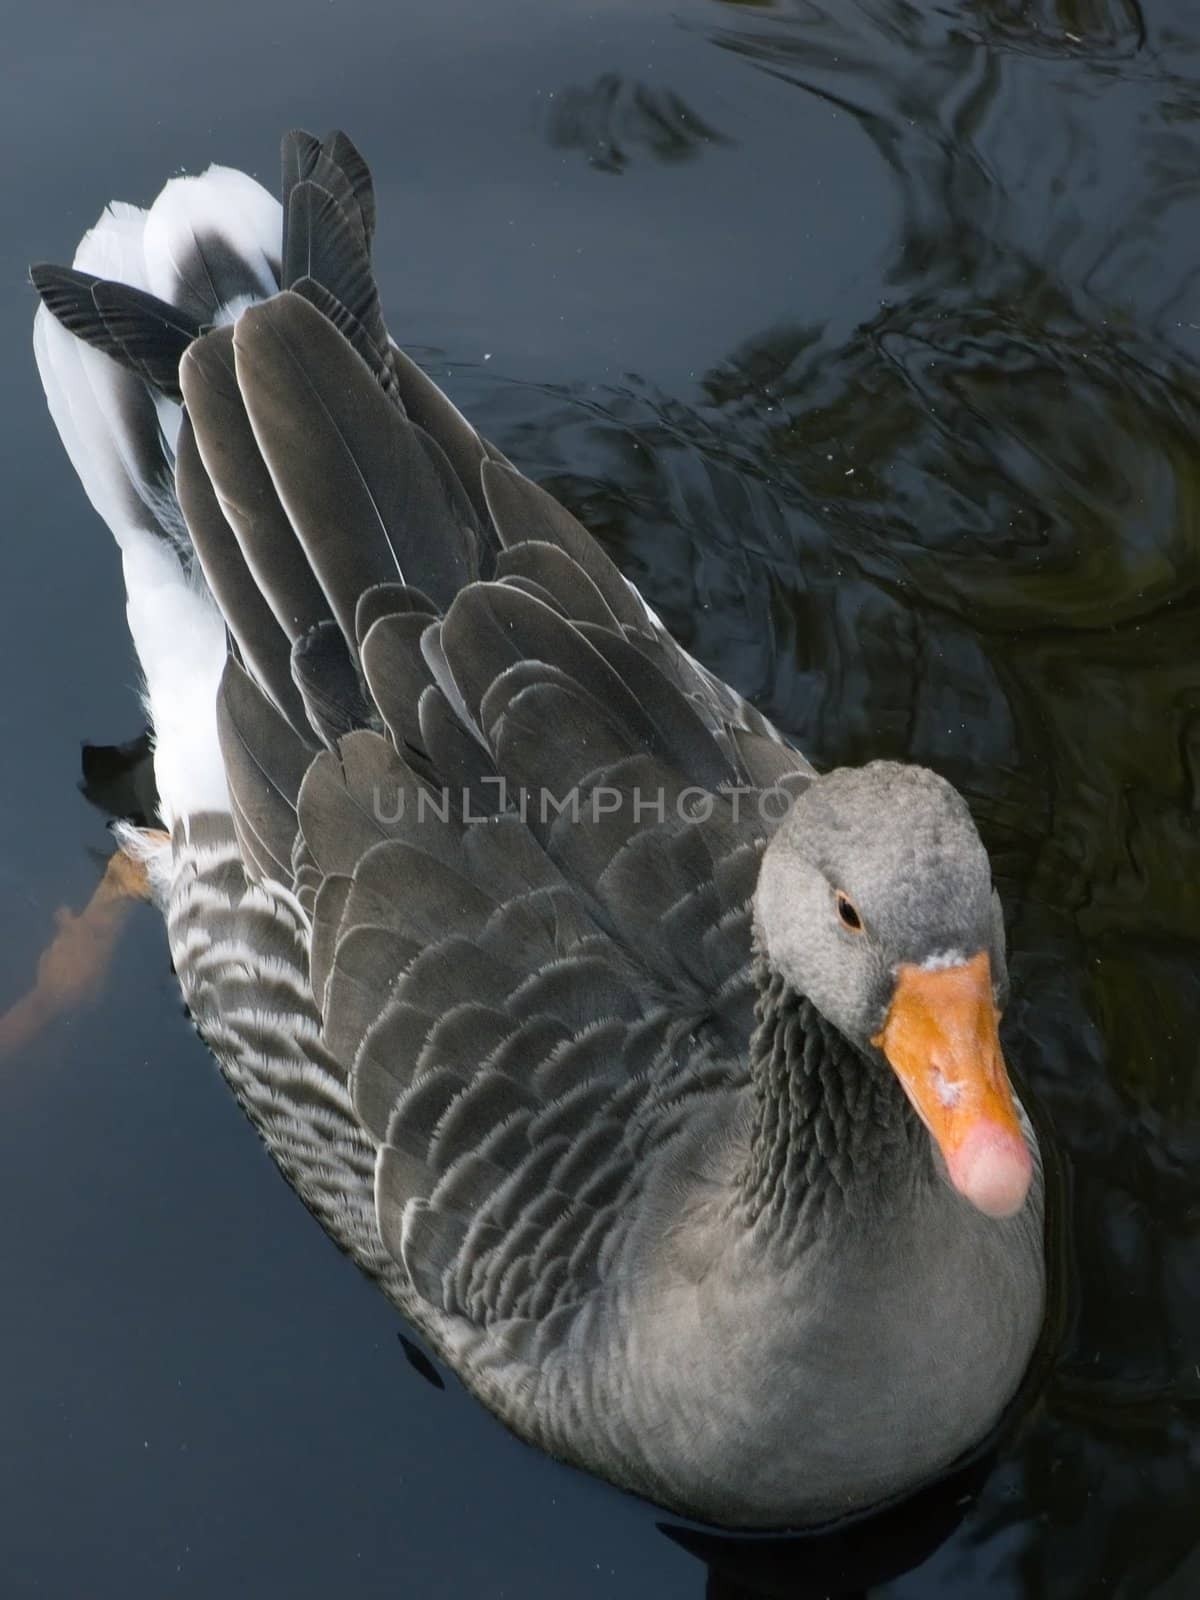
pixel 942 1040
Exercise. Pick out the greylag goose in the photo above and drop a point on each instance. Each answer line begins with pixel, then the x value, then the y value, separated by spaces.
pixel 655 1077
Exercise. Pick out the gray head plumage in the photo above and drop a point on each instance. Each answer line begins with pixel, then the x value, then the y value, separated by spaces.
pixel 898 843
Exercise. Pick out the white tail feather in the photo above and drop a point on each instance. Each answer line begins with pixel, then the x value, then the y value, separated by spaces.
pixel 180 641
pixel 85 391
pixel 113 248
pixel 114 431
pixel 220 204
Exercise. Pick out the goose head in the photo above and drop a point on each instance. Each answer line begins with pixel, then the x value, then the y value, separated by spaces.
pixel 875 902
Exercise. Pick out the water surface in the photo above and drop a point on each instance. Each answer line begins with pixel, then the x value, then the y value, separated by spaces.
pixel 866 337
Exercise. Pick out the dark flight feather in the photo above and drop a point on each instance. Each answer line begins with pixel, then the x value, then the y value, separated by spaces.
pixel 522 512
pixel 398 674
pixel 351 329
pixel 549 566
pixel 327 678
pixel 140 331
pixel 426 405
pixel 265 764
pixel 261 642
pixel 323 245
pixel 343 801
pixel 388 600
pixel 336 166
pixel 342 153
pixel 355 481
pixel 244 488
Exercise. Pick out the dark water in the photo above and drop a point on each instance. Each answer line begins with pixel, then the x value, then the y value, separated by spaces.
pixel 866 335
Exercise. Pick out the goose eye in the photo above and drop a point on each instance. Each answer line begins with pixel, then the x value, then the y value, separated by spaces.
pixel 848 913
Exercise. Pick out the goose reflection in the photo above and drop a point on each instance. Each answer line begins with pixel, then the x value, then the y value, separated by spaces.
pixel 615 119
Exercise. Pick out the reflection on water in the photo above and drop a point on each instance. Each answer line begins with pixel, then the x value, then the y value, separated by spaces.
pixel 612 121
pixel 961 526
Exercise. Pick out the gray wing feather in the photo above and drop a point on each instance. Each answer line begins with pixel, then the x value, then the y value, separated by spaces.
pixel 519 1001
pixel 243 486
pixel 357 482
pixel 249 618
pixel 265 763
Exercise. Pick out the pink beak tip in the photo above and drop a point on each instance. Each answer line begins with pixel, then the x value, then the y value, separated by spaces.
pixel 992 1168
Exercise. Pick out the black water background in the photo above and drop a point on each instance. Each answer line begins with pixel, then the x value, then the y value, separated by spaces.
pixel 866 335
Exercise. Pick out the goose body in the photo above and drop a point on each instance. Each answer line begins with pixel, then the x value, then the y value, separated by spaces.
pixel 654 1077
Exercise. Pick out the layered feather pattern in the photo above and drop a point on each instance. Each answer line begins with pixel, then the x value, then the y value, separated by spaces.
pixel 459 869
pixel 526 951
pixel 473 942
